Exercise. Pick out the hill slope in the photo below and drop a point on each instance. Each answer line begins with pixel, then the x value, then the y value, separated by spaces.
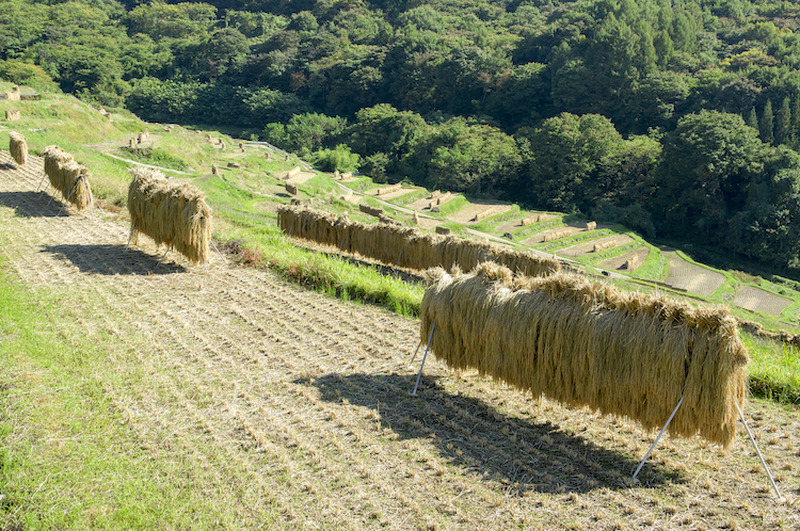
pixel 141 398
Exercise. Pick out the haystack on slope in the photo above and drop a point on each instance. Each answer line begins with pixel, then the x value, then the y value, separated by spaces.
pixel 18 148
pixel 404 246
pixel 588 344
pixel 170 213
pixel 68 177
pixel 12 115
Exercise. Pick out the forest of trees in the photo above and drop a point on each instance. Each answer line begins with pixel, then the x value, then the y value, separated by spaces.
pixel 678 118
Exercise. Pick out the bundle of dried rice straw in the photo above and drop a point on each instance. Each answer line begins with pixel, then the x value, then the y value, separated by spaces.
pixel 404 246
pixel 68 177
pixel 588 344
pixel 170 213
pixel 18 148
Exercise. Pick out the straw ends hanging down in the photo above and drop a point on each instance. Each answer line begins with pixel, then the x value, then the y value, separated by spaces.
pixel 170 212
pixel 68 177
pixel 588 344
pixel 18 147
pixel 404 246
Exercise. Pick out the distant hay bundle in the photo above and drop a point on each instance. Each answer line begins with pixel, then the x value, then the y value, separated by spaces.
pixel 291 189
pixel 293 172
pixel 169 213
pixel 530 220
pixel 435 194
pixel 372 211
pixel 405 246
pixel 12 115
pixel 13 94
pixel 602 246
pixel 557 234
pixel 18 148
pixel 388 189
pixel 485 214
pixel 591 225
pixel 68 177
pixel 441 229
pixel 588 344
pixel 631 262
pixel 347 175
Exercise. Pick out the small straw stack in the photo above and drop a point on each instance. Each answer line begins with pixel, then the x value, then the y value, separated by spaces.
pixel 169 213
pixel 68 177
pixel 403 246
pixel 18 148
pixel 588 344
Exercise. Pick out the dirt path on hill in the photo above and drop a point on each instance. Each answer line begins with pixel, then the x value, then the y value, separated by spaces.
pixel 276 396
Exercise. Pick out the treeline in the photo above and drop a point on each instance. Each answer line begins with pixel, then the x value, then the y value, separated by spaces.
pixel 677 117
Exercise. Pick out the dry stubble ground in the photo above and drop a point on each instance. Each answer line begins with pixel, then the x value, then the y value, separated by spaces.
pixel 294 408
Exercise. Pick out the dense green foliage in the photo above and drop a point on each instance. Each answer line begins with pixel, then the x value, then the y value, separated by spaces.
pixel 679 118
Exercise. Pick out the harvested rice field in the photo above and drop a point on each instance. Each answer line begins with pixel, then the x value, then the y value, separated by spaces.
pixel 759 300
pixel 516 223
pixel 634 258
pixel 425 202
pixel 468 212
pixel 587 248
pixel 690 277
pixel 552 235
pixel 301 177
pixel 277 407
pixel 391 195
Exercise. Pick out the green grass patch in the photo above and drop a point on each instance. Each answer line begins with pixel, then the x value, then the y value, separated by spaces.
pixel 774 369
pixel 452 206
pixel 329 273
pixel 155 157
pixel 68 458
pixel 655 266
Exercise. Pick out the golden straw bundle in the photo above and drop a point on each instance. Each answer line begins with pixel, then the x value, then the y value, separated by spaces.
pixel 372 211
pixel 170 213
pixel 12 115
pixel 588 344
pixel 68 177
pixel 18 148
pixel 403 246
pixel 603 245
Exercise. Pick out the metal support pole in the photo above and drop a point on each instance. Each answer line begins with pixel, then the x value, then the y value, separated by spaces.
pixel 424 358
pixel 398 260
pixel 89 194
pixel 415 353
pixel 764 463
pixel 639 468
pixel 66 201
pixel 168 250
pixel 40 184
pixel 130 236
pixel 218 251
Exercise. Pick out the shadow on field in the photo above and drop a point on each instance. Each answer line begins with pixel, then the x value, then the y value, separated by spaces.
pixel 33 205
pixel 7 166
pixel 530 454
pixel 113 259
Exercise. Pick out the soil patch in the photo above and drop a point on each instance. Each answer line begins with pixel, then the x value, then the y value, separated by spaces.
pixel 585 248
pixel 690 277
pixel 618 262
pixel 470 210
pixel 391 195
pixel 759 300
pixel 301 177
